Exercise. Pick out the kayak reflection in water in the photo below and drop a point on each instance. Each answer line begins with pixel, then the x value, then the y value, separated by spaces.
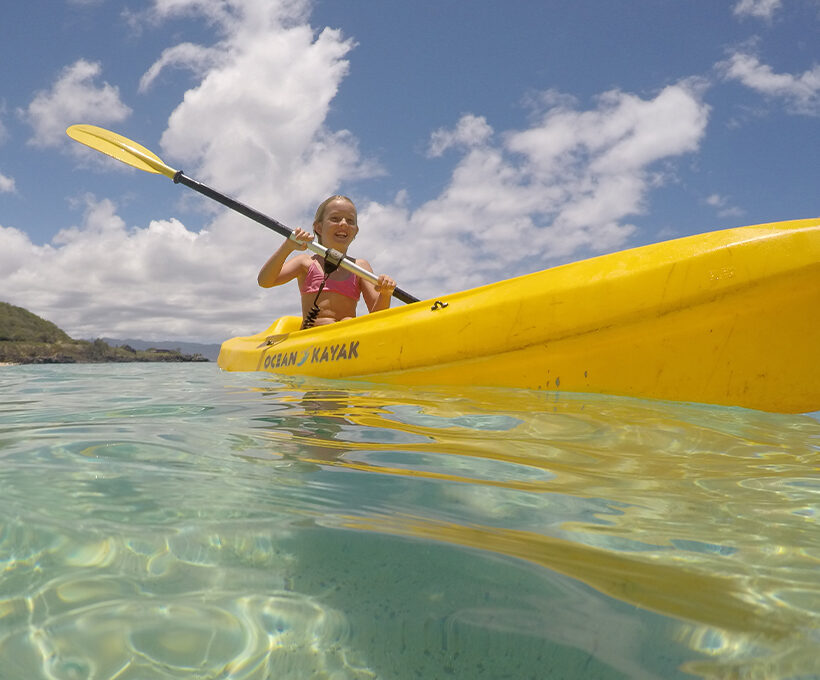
pixel 328 294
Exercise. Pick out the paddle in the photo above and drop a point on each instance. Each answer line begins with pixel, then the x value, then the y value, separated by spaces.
pixel 135 155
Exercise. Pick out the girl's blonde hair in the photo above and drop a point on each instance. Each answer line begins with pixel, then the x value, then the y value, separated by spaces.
pixel 320 211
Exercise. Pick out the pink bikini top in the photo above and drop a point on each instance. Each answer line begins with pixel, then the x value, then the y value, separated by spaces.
pixel 349 286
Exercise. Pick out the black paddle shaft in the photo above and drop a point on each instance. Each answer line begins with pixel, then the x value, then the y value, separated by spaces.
pixel 275 225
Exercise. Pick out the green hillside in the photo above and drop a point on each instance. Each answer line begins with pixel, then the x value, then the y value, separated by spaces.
pixel 25 338
pixel 20 325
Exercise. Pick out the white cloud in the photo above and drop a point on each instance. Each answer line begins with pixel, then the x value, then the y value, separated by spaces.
pixel 7 184
pixel 801 93
pixel 761 9
pixel 723 205
pixel 74 98
pixel 103 278
pixel 565 185
pixel 195 58
pixel 15 246
pixel 469 132
pixel 255 123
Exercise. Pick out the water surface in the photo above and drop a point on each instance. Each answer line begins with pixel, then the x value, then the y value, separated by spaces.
pixel 177 521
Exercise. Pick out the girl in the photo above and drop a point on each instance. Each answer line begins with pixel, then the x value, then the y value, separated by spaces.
pixel 335 225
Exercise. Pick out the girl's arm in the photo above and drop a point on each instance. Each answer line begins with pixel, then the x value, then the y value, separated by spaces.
pixel 376 297
pixel 278 269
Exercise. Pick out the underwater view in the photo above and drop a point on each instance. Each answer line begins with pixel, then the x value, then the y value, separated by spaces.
pixel 178 521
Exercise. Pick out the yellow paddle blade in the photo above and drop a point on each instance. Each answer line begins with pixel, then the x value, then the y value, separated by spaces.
pixel 119 147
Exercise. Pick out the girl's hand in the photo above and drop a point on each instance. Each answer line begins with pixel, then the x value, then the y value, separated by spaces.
pixel 385 285
pixel 300 235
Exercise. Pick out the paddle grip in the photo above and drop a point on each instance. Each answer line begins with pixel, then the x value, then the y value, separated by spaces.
pixel 281 229
pixel 404 296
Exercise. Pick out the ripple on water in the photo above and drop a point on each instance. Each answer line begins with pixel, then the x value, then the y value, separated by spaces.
pixel 275 634
pixel 157 607
pixel 160 522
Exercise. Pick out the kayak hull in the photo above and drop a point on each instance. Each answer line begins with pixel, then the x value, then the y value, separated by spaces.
pixel 728 317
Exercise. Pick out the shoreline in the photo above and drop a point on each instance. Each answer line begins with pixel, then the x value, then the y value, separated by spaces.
pixel 8 363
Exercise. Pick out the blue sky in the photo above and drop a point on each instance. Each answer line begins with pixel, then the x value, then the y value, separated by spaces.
pixel 480 140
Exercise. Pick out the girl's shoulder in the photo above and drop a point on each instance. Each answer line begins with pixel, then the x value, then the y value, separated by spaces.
pixel 303 260
pixel 298 266
pixel 364 264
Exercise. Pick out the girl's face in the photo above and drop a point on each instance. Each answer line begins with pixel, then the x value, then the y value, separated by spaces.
pixel 337 227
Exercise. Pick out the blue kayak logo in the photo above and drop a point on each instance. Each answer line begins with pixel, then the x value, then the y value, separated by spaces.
pixel 313 355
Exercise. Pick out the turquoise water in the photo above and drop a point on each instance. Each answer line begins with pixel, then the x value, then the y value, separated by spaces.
pixel 181 522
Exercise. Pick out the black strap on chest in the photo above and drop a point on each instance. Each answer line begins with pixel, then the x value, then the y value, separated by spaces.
pixel 332 259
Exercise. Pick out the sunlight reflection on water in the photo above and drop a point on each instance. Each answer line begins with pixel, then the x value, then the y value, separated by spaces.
pixel 169 521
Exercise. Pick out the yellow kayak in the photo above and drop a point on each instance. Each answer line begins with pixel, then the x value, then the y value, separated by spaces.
pixel 729 317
